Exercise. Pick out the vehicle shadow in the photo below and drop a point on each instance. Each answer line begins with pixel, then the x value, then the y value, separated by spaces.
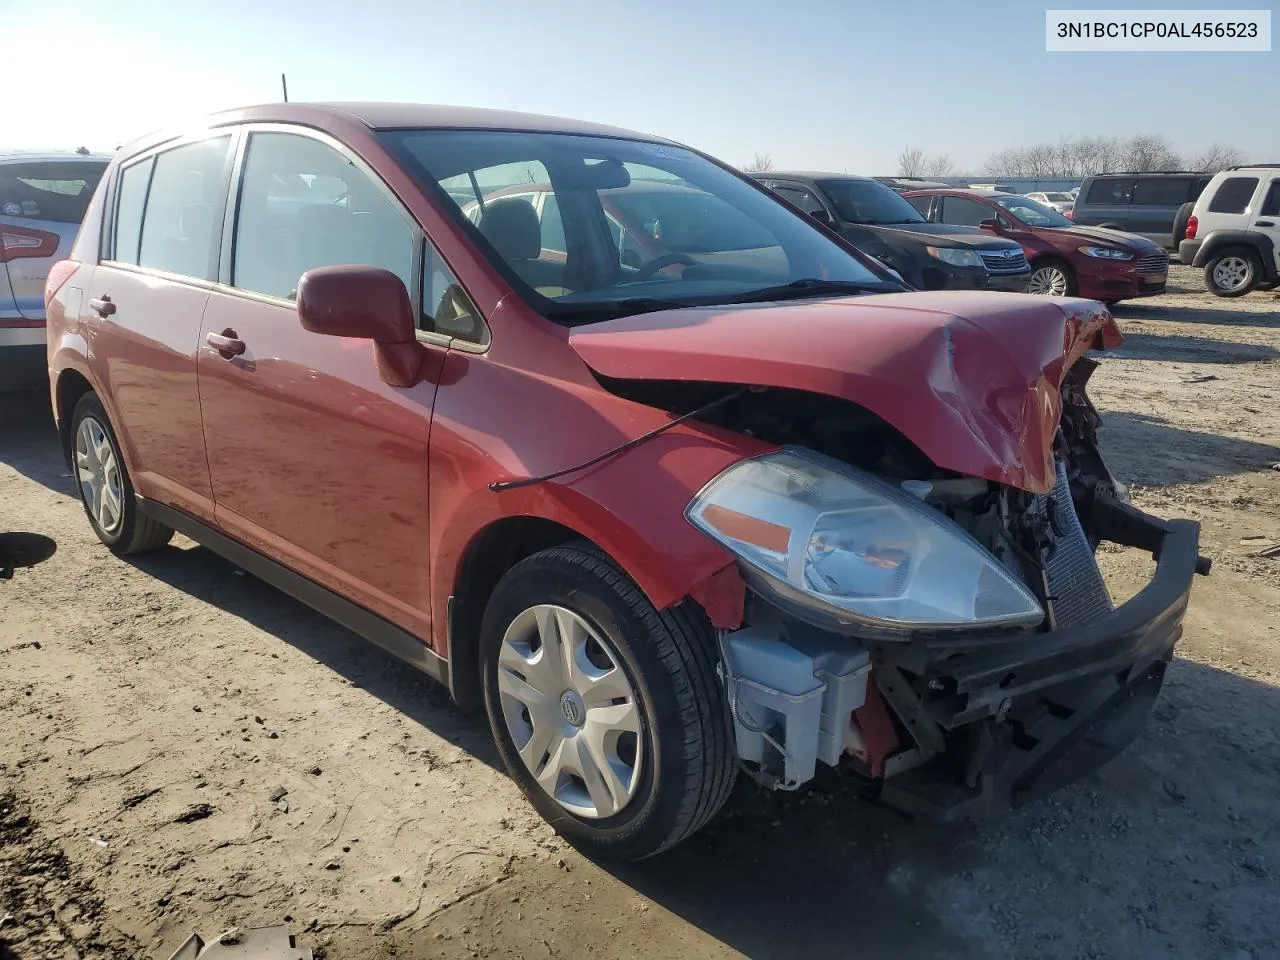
pixel 1221 317
pixel 29 440
pixel 821 874
pixel 1180 349
pixel 1153 452
pixel 201 573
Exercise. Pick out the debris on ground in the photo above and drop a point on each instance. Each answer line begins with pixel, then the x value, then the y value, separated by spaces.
pixel 261 943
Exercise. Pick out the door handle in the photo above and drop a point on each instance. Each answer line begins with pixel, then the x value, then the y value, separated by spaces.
pixel 227 343
pixel 1264 223
pixel 102 306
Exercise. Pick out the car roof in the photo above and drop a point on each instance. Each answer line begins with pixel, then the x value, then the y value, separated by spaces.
pixel 965 191
pixel 396 116
pixel 48 156
pixel 807 175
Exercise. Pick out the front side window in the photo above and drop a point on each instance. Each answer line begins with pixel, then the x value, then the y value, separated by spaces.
pixel 800 198
pixel 1161 191
pixel 965 212
pixel 131 198
pixel 1110 190
pixel 1033 214
pixel 588 227
pixel 868 202
pixel 1233 195
pixel 57 190
pixel 179 234
pixel 921 204
pixel 304 205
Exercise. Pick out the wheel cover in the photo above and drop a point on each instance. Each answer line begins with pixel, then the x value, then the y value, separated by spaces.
pixel 1048 282
pixel 571 711
pixel 1231 273
pixel 98 471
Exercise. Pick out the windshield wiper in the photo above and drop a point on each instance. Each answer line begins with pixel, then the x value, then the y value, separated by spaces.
pixel 809 287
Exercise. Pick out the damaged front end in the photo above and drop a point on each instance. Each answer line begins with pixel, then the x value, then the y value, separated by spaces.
pixel 948 638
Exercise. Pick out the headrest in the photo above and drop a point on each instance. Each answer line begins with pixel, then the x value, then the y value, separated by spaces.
pixel 511 225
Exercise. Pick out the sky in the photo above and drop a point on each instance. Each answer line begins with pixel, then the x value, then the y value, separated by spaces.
pixel 814 84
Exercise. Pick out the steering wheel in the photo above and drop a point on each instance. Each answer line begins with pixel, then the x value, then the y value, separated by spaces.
pixel 647 269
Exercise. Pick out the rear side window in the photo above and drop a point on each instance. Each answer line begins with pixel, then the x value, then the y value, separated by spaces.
pixel 1161 191
pixel 178 228
pixel 56 190
pixel 1271 204
pixel 1110 191
pixel 131 199
pixel 1233 195
pixel 304 205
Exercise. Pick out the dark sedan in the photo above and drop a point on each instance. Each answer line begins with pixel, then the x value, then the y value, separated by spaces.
pixel 876 220
pixel 1067 260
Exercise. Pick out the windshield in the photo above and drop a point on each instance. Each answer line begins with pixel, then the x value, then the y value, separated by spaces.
pixel 868 202
pixel 586 228
pixel 1031 213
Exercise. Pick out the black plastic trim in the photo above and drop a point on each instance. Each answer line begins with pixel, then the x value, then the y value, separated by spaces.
pixel 377 630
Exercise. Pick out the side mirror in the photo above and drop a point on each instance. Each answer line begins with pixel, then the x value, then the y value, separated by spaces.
pixel 991 224
pixel 821 216
pixel 366 302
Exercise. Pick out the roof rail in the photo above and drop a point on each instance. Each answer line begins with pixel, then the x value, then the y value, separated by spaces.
pixel 1142 173
pixel 1249 166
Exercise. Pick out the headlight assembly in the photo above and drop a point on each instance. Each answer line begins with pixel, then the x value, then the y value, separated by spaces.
pixel 955 256
pixel 848 548
pixel 1106 253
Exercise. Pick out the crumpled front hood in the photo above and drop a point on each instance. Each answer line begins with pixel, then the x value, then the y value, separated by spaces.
pixel 972 379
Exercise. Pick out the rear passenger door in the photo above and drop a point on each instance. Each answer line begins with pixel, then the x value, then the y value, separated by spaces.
pixel 148 295
pixel 316 462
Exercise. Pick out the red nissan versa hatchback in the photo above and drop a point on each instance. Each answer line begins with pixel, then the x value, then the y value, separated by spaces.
pixel 762 512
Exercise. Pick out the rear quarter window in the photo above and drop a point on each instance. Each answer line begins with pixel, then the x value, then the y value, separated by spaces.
pixel 55 190
pixel 1233 195
pixel 1161 191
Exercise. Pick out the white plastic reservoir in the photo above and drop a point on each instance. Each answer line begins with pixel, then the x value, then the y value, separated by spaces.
pixel 800 689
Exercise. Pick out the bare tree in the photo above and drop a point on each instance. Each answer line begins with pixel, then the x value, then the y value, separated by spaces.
pixel 1217 157
pixel 911 162
pixel 760 163
pixel 939 165
pixel 1149 151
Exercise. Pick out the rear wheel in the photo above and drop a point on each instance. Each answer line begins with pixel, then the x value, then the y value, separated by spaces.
pixel 608 713
pixel 105 488
pixel 1232 272
pixel 1052 278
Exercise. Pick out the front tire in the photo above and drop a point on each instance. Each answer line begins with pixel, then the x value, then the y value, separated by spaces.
pixel 1052 278
pixel 1233 272
pixel 607 713
pixel 105 488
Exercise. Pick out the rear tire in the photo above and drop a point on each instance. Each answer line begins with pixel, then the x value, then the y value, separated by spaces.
pixel 105 488
pixel 1232 272
pixel 679 765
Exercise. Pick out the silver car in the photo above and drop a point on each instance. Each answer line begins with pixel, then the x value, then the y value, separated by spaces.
pixel 1060 201
pixel 43 197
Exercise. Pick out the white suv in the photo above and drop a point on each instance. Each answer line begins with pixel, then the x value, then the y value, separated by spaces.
pixel 1234 231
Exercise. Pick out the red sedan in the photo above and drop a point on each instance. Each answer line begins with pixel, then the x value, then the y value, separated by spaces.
pixel 1066 260
pixel 769 513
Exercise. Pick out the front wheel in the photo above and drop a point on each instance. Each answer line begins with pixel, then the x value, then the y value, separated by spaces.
pixel 608 713
pixel 1052 278
pixel 1232 273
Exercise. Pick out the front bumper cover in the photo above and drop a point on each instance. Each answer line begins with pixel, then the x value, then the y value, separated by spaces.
pixel 1021 718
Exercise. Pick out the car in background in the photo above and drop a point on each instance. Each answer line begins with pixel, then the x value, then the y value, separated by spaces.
pixel 903 184
pixel 879 222
pixel 1147 204
pixel 661 528
pixel 1067 260
pixel 43 197
pixel 1062 202
pixel 1234 231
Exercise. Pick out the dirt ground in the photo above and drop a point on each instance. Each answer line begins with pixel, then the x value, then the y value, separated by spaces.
pixel 152 713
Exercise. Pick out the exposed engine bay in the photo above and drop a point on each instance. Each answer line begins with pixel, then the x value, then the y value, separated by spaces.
pixel 950 723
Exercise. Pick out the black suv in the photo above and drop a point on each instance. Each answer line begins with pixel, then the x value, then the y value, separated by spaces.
pixel 1148 204
pixel 876 220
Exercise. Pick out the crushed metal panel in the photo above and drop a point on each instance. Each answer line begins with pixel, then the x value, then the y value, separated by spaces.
pixel 262 943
